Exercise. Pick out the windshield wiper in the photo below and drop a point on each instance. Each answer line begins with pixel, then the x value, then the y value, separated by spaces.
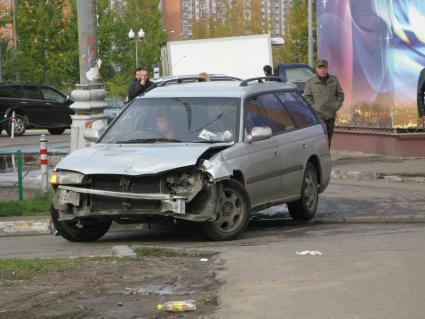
pixel 149 140
pixel 209 123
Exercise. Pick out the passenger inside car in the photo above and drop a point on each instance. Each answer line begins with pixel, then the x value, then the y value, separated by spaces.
pixel 163 125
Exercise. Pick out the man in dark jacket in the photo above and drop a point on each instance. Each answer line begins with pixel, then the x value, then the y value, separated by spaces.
pixel 325 95
pixel 140 84
pixel 421 90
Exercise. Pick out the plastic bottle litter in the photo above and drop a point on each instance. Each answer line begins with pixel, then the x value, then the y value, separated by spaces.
pixel 309 252
pixel 177 306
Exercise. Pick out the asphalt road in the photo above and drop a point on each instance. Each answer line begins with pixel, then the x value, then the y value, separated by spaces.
pixel 30 142
pixel 344 199
pixel 366 270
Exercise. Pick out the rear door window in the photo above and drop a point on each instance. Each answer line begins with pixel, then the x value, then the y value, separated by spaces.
pixel 10 91
pixel 51 95
pixel 279 118
pixel 32 92
pixel 300 111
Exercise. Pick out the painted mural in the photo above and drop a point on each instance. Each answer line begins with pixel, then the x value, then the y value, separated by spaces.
pixel 376 48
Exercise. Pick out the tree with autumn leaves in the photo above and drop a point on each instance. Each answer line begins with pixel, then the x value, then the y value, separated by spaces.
pixel 47 43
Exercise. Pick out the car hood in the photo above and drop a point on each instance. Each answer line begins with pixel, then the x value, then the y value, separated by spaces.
pixel 134 159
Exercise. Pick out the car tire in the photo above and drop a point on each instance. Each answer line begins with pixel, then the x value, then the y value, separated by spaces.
pixel 56 130
pixel 71 232
pixel 305 208
pixel 232 212
pixel 20 126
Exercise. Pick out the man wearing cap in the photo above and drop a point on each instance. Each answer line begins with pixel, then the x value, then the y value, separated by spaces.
pixel 325 95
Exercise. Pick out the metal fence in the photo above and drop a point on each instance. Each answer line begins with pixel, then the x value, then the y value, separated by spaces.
pixel 18 185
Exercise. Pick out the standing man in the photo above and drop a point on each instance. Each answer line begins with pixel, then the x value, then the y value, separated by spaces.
pixel 325 95
pixel 421 90
pixel 268 71
pixel 140 84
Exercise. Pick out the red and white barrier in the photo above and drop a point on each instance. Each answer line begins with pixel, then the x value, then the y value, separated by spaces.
pixel 12 126
pixel 44 182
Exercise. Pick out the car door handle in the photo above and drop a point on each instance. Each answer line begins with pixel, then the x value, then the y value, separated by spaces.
pixel 23 102
pixel 276 152
pixel 48 103
pixel 305 145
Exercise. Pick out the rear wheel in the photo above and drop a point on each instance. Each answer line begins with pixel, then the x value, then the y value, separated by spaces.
pixel 20 126
pixel 232 213
pixel 56 130
pixel 305 208
pixel 72 231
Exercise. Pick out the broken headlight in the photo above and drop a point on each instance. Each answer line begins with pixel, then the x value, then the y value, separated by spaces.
pixel 66 177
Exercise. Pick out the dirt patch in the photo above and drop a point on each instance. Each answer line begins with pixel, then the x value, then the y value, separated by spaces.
pixel 114 289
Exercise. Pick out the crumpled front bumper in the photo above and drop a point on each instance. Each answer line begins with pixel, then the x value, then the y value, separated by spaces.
pixel 67 200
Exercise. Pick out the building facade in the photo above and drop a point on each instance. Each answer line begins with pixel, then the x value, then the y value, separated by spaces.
pixel 178 15
pixel 6 29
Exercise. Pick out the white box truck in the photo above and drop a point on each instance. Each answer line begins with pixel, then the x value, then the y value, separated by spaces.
pixel 242 56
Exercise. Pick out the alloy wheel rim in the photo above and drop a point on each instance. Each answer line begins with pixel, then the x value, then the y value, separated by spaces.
pixel 230 211
pixel 19 126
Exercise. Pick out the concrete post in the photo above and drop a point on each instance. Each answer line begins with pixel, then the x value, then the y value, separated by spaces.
pixel 89 95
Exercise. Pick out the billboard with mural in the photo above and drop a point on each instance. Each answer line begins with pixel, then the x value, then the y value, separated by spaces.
pixel 377 49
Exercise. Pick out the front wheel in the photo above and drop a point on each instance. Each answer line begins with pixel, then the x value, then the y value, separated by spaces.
pixel 305 208
pixel 72 231
pixel 56 130
pixel 232 212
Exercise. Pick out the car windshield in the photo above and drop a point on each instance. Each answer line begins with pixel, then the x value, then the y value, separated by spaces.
pixel 299 74
pixel 156 120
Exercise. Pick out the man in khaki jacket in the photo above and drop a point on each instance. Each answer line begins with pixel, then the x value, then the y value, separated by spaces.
pixel 325 95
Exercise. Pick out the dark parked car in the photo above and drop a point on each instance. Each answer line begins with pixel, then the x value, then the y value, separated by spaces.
pixel 113 109
pixel 35 106
pixel 297 73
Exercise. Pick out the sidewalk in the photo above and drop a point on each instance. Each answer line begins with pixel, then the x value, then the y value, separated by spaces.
pixel 360 166
pixel 346 165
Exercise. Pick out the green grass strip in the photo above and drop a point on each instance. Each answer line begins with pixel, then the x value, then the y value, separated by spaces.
pixel 37 205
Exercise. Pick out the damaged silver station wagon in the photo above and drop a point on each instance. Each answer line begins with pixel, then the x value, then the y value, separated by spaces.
pixel 208 152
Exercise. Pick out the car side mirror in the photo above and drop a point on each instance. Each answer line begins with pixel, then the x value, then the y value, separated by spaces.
pixel 259 133
pixel 92 134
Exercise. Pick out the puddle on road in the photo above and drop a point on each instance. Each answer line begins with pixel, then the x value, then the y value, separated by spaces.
pixel 162 290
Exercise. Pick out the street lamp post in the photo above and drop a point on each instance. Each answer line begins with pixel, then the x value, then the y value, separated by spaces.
pixel 310 33
pixel 89 94
pixel 140 36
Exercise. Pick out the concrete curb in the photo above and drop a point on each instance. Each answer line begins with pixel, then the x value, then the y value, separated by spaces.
pixel 44 227
pixel 25 227
pixel 370 220
pixel 362 175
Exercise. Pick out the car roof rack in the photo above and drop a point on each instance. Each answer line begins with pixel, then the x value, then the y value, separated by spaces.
pixel 197 78
pixel 213 77
pixel 260 79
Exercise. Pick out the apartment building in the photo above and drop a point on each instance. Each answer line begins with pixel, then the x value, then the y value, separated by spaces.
pixel 6 29
pixel 179 14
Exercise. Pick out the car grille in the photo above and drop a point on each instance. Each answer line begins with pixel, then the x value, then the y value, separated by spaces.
pixel 128 184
